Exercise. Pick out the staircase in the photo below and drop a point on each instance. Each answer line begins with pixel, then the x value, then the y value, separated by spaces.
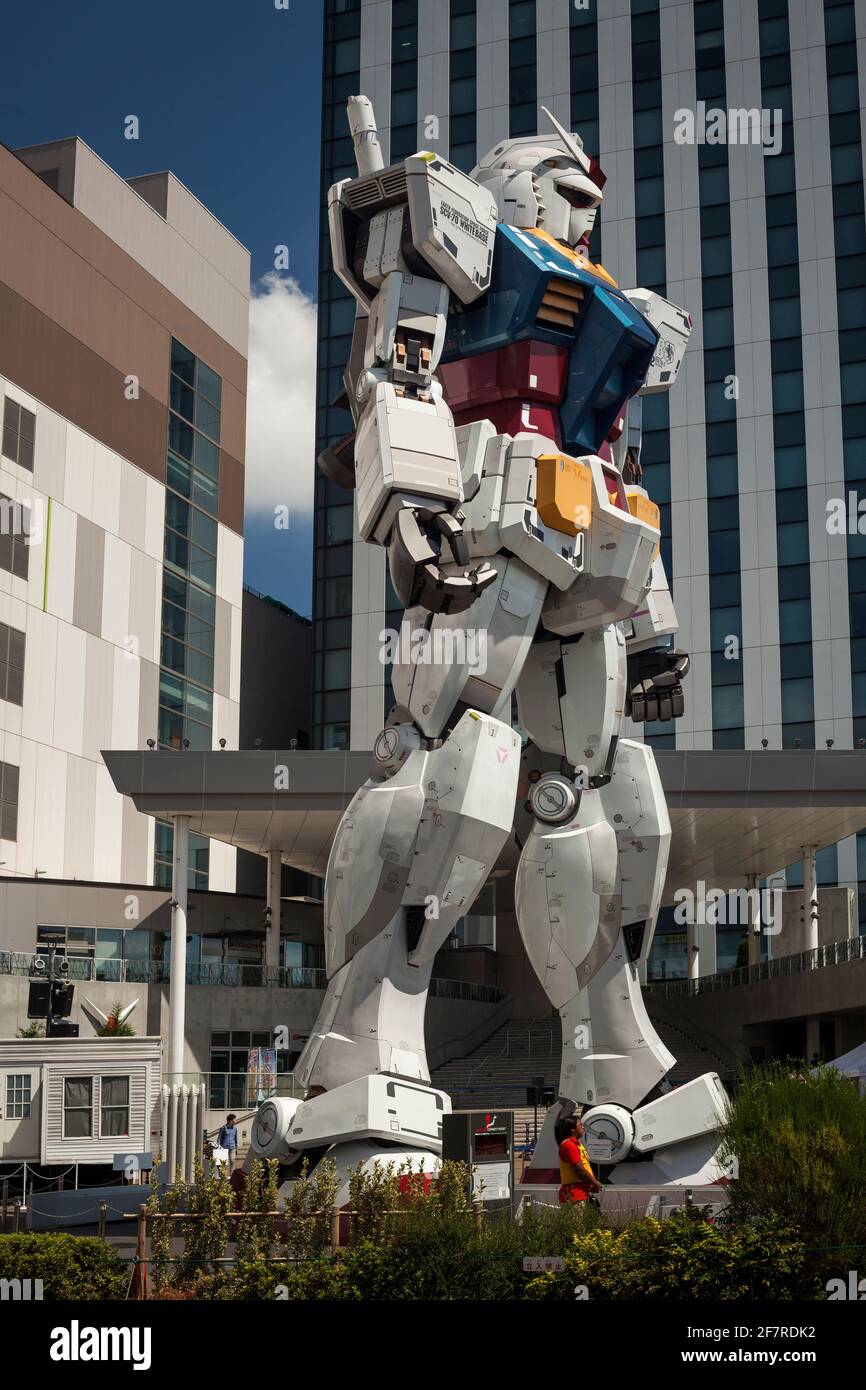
pixel 693 1056
pixel 499 1071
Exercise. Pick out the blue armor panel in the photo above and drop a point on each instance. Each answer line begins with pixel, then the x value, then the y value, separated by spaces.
pixel 610 343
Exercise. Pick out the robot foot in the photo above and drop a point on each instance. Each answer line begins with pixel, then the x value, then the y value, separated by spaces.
pixel 672 1141
pixel 379 1116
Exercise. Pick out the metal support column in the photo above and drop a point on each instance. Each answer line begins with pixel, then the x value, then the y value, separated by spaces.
pixel 754 919
pixel 177 984
pixel 272 938
pixel 810 898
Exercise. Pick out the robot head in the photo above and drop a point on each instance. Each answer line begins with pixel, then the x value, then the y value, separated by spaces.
pixel 545 181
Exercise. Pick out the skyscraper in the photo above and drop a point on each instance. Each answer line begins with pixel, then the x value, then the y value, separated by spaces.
pixel 730 133
pixel 123 342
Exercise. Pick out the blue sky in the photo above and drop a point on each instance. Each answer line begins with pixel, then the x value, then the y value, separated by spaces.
pixel 228 96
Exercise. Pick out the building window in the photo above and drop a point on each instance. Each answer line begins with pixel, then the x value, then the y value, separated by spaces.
pixel 114 1107
pixel 18 1096
pixel 8 802
pixel 11 664
pixel 199 858
pixel 190 553
pixel 77 1107
pixel 14 536
pixel 19 434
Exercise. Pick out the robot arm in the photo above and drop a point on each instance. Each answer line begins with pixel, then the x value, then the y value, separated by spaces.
pixel 656 670
pixel 404 240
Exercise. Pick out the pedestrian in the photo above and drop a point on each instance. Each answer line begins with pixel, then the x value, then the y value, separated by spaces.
pixel 228 1139
pixel 577 1179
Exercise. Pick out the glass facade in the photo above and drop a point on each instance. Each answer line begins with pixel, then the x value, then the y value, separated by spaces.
pixel 462 84
pixel 404 78
pixel 720 407
pixel 522 68
pixel 786 363
pixel 186 678
pixel 332 541
pixel 849 233
pixel 651 269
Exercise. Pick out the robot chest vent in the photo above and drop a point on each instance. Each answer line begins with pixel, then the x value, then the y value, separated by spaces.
pixel 561 304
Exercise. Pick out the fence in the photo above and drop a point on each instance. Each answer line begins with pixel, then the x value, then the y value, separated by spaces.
pixel 836 953
pixel 230 974
pixel 235 1090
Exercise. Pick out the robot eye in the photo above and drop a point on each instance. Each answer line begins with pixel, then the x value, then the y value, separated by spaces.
pixel 576 198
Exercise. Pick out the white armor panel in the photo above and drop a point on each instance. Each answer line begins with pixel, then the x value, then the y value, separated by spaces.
pixel 570 697
pixel 403 446
pixel 567 901
pixel 656 617
pixel 558 557
pixel 619 550
pixel 415 305
pixel 453 223
pixel 635 804
pixel 475 656
pixel 673 326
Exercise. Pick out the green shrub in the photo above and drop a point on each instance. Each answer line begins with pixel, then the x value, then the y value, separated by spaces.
pixel 70 1267
pixel 800 1147
pixel 686 1258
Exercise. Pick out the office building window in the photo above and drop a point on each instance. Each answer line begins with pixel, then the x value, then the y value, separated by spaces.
pixel 199 857
pixel 190 553
pixel 113 1106
pixel 849 232
pixel 77 1107
pixel 19 434
pixel 15 533
pixel 11 664
pixel 8 801
pixel 462 95
pixel 18 1096
pixel 522 71
pixel 583 62
pixel 332 557
pixel 404 78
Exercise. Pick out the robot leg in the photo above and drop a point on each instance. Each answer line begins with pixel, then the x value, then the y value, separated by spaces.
pixel 409 858
pixel 588 890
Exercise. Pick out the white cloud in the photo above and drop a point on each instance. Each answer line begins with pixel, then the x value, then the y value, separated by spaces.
pixel 281 398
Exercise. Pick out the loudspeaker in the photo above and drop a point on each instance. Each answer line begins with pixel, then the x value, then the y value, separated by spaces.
pixel 39 1000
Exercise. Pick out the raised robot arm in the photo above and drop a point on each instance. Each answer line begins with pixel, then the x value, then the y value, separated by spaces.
pixel 404 240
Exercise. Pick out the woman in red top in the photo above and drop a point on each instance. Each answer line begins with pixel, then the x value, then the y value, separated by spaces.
pixel 575 1171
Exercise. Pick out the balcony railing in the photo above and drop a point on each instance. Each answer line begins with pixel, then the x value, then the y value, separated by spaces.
pixel 232 975
pixel 235 1090
pixel 835 953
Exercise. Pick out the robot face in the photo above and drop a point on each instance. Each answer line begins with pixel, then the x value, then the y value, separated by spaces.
pixel 570 200
pixel 548 182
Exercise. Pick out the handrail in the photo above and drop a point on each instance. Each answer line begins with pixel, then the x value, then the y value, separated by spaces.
pixel 231 974
pixel 834 953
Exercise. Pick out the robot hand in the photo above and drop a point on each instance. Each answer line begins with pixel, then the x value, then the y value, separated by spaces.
pixel 416 565
pixel 655 684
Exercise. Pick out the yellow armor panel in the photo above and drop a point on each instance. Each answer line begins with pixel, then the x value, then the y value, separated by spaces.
pixel 563 493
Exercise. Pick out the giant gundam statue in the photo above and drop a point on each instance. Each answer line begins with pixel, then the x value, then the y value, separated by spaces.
pixel 495 382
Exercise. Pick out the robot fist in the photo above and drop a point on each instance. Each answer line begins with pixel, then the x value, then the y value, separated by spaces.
pixel 655 684
pixel 416 565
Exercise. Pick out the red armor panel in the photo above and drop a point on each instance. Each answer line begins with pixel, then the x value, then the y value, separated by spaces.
pixel 523 371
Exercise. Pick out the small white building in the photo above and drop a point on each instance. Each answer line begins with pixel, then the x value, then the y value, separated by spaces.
pixel 78 1100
